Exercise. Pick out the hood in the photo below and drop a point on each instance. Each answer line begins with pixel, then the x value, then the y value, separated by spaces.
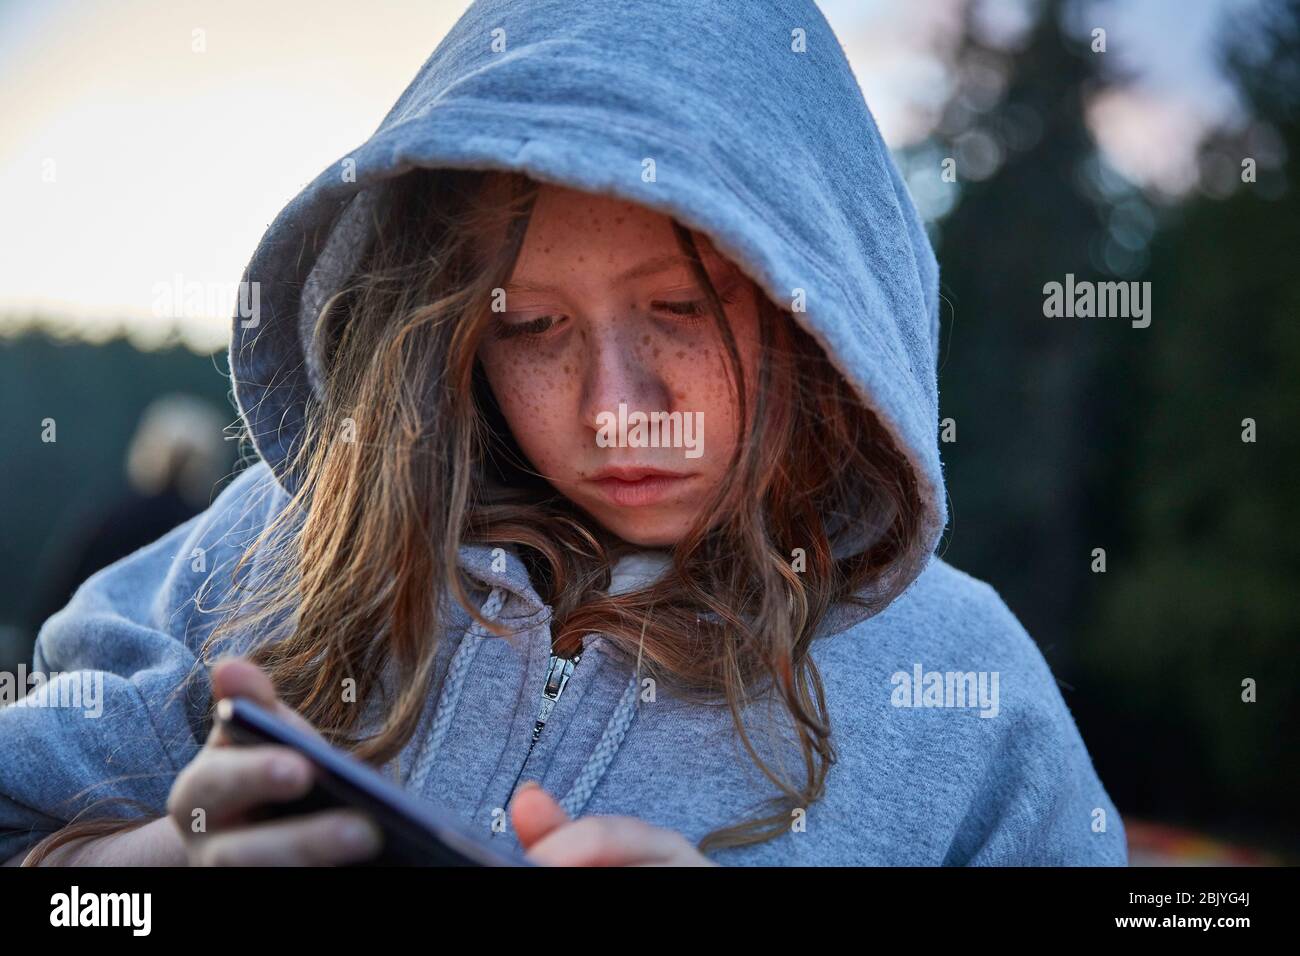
pixel 760 138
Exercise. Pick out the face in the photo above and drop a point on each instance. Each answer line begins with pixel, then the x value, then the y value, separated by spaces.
pixel 609 367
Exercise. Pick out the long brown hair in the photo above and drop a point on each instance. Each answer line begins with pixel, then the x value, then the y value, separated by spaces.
pixel 406 458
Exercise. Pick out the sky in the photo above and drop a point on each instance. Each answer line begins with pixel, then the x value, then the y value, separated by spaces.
pixel 146 145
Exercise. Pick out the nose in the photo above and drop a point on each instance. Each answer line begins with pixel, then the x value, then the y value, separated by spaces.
pixel 619 369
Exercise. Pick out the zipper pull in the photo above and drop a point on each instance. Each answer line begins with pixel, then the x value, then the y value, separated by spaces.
pixel 557 678
pixel 558 672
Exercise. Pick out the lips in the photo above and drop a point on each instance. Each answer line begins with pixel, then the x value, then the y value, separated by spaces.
pixel 634 486
pixel 631 473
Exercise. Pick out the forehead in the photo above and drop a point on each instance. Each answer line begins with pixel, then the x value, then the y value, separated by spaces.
pixel 590 229
pixel 575 236
pixel 559 207
pixel 581 241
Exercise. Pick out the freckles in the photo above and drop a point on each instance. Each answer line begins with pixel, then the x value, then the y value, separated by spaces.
pixel 528 393
pixel 536 393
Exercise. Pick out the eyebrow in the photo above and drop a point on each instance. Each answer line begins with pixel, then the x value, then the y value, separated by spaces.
pixel 649 267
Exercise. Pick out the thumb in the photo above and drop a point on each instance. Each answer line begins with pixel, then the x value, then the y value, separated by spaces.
pixel 239 677
pixel 535 813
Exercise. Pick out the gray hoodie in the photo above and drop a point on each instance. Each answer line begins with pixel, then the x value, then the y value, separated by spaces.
pixel 954 744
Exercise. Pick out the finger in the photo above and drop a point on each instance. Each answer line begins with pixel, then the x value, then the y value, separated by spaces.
pixel 535 813
pixel 227 782
pixel 328 838
pixel 239 677
pixel 605 841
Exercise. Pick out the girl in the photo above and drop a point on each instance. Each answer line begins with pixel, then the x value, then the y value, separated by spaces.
pixel 598 494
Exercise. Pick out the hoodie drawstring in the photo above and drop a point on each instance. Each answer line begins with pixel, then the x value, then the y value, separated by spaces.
pixel 594 769
pixel 451 688
pixel 601 757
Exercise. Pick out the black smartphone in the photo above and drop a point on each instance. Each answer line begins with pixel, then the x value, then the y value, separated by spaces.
pixel 415 832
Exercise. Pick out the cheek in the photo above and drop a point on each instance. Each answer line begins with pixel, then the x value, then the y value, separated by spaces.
pixel 700 376
pixel 745 327
pixel 695 381
pixel 532 391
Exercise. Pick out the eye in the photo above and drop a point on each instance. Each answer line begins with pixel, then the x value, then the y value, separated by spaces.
pixel 505 329
pixel 692 309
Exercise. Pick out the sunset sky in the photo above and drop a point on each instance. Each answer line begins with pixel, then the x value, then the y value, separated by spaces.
pixel 128 159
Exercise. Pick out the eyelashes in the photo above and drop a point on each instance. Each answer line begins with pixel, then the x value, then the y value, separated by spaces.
pixel 693 309
pixel 510 330
pixel 689 313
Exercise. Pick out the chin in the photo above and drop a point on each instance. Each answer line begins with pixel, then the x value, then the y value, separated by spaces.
pixel 647 531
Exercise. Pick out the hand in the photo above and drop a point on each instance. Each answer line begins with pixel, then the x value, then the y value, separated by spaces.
pixel 550 838
pixel 228 782
pixel 155 843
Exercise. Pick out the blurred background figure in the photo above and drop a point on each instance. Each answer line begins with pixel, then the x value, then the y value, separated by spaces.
pixel 174 461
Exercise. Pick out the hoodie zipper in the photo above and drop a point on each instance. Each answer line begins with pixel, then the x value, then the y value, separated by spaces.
pixel 558 671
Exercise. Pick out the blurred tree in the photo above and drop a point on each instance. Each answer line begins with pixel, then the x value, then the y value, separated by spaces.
pixel 1201 590
pixel 1076 434
pixel 1022 388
